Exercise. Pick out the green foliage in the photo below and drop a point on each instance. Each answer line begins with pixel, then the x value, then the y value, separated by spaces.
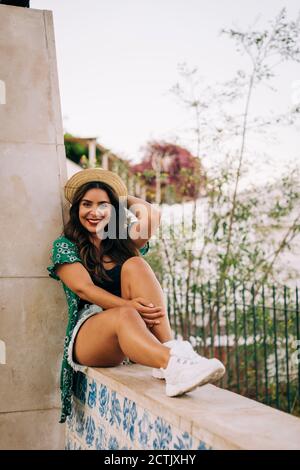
pixel 74 150
pixel 78 152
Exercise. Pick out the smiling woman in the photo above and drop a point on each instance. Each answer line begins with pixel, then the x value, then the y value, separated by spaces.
pixel 113 295
pixel 95 213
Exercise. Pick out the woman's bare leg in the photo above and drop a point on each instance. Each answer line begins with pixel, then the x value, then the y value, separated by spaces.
pixel 138 280
pixel 105 339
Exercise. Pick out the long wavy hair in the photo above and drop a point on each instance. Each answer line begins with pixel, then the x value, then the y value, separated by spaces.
pixel 117 249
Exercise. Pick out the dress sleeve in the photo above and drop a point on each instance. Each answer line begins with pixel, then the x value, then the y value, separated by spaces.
pixel 63 251
pixel 144 250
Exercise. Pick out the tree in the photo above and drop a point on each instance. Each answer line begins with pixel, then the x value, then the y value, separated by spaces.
pixel 234 246
pixel 243 234
pixel 173 170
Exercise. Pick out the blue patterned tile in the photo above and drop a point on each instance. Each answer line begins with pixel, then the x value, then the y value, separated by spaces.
pixel 163 434
pixel 103 419
pixel 100 442
pixel 130 416
pixel 90 430
pixel 92 398
pixel 71 420
pixel 113 443
pixel 145 428
pixel 80 420
pixel 203 446
pixel 103 401
pixel 115 410
pixel 185 441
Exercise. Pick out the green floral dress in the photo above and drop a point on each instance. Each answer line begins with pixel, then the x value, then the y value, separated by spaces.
pixel 65 251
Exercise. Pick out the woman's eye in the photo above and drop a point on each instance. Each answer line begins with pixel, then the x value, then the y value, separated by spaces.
pixel 104 205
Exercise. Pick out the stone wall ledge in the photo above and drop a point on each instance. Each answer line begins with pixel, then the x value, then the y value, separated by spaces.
pixel 206 418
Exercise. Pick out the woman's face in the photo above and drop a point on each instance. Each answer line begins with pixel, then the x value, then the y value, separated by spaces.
pixel 95 210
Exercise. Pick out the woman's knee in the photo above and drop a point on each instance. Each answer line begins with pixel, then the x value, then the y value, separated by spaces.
pixel 133 269
pixel 113 318
pixel 124 313
pixel 133 263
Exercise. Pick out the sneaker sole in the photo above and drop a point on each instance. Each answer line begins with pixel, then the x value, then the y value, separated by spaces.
pixel 180 389
pixel 157 374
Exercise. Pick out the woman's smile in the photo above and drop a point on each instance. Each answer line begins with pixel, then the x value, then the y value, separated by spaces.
pixel 95 221
pixel 94 210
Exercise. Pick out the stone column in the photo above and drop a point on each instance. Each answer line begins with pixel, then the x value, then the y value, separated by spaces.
pixel 143 192
pixel 105 161
pixel 138 188
pixel 92 153
pixel 33 172
pixel 130 185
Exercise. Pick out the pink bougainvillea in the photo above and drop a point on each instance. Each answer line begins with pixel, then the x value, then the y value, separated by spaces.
pixel 182 177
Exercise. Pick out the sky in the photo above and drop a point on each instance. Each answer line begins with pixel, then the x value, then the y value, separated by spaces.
pixel 118 60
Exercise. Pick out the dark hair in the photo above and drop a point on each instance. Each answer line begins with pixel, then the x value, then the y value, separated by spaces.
pixel 118 249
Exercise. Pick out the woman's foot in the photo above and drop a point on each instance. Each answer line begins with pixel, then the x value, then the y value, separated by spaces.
pixel 185 374
pixel 183 348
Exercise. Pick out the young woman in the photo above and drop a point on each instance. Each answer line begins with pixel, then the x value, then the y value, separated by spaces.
pixel 116 305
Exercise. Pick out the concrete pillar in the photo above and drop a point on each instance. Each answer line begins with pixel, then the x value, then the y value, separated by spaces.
pixel 105 161
pixel 124 176
pixel 158 183
pixel 143 192
pixel 130 186
pixel 114 166
pixel 33 171
pixel 92 153
pixel 138 188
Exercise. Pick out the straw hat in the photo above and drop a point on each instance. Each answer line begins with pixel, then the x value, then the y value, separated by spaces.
pixel 94 174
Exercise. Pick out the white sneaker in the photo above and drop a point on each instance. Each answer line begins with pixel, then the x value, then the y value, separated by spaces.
pixel 183 348
pixel 184 374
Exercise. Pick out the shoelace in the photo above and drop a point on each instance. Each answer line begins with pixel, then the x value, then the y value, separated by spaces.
pixel 186 360
pixel 195 357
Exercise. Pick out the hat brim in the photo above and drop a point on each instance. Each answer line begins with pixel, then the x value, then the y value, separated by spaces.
pixel 94 174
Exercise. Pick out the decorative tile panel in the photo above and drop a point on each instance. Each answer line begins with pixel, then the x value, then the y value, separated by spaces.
pixel 103 418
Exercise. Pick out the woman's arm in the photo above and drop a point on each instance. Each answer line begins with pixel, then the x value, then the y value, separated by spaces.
pixel 77 278
pixel 148 220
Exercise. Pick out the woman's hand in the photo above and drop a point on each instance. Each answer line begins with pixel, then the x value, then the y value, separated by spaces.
pixel 147 310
